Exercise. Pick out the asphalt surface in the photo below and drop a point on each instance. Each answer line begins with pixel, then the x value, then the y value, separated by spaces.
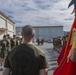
pixel 51 56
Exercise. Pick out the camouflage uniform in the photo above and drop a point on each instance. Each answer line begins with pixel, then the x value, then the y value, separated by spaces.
pixel 18 42
pixel 3 53
pixel 9 45
pixel 13 43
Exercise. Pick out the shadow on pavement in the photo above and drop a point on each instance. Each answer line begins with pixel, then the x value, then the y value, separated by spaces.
pixel 52 69
pixel 53 64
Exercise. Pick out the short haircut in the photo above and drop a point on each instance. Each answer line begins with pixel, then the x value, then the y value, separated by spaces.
pixel 4 36
pixel 27 31
pixel 14 35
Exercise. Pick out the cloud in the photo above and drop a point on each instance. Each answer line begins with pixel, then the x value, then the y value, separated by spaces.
pixel 38 12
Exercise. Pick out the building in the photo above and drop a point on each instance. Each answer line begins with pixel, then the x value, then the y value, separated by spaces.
pixel 66 33
pixel 18 31
pixel 48 32
pixel 44 32
pixel 7 26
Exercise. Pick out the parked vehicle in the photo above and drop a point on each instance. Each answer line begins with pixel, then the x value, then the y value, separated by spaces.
pixel 50 41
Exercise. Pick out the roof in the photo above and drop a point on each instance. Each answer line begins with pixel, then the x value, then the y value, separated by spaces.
pixel 1 13
pixel 40 26
pixel 45 26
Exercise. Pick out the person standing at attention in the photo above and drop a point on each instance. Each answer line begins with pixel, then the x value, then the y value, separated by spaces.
pixel 26 59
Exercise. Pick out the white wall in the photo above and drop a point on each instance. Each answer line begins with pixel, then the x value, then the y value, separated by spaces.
pixel 10 27
pixel 2 23
pixel 1 36
pixel 11 33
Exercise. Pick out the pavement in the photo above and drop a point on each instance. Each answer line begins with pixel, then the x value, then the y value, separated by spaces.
pixel 51 56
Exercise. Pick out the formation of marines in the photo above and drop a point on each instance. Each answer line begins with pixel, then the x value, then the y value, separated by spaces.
pixel 7 43
pixel 59 42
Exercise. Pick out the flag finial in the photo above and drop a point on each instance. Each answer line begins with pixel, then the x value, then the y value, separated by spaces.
pixel 73 2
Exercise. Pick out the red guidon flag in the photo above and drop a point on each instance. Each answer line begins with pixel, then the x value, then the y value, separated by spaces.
pixel 66 66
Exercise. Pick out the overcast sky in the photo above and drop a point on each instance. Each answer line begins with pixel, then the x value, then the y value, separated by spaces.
pixel 39 12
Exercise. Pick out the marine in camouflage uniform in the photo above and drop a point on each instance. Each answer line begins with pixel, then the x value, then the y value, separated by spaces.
pixel 59 43
pixel 18 41
pixel 1 58
pixel 54 43
pixel 9 43
pixel 13 42
pixel 3 51
pixel 4 47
